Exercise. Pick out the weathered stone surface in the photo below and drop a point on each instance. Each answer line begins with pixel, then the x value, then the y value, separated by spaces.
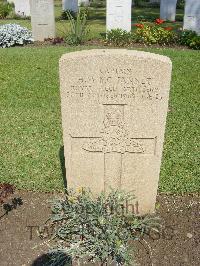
pixel 168 9
pixel 22 7
pixel 70 5
pixel 192 15
pixel 114 107
pixel 42 19
pixel 118 14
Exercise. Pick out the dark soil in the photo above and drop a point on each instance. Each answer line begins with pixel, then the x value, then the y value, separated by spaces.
pixel 177 244
pixel 100 43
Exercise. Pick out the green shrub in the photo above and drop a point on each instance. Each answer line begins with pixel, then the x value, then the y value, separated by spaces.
pixel 65 16
pixel 119 37
pixel 195 43
pixel 98 3
pixel 15 16
pixel 141 3
pixel 186 36
pixel 5 9
pixel 180 4
pixel 78 27
pixel 97 229
pixel 190 39
pixel 146 18
pixel 148 34
pixel 154 5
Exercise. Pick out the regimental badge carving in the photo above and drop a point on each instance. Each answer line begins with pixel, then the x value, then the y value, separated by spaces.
pixel 114 135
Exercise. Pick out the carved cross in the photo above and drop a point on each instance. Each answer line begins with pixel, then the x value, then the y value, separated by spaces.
pixel 114 142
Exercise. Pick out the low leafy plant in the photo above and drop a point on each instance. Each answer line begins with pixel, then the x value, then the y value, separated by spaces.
pixel 5 9
pixel 118 37
pixel 155 34
pixel 97 229
pixel 145 18
pixel 186 36
pixel 145 33
pixel 78 27
pixel 13 34
pixel 190 39
pixel 195 43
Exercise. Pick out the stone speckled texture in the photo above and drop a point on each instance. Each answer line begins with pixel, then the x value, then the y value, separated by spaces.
pixel 114 106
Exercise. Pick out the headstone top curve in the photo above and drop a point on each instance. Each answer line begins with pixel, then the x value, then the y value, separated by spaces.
pixel 115 52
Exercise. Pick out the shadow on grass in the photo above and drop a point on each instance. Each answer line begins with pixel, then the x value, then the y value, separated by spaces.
pixel 62 165
pixel 53 259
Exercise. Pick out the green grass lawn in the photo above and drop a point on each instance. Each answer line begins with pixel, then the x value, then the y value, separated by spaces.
pixel 31 134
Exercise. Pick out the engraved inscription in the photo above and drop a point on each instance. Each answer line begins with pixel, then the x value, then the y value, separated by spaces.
pixel 120 86
pixel 114 86
pixel 42 5
pixel 82 88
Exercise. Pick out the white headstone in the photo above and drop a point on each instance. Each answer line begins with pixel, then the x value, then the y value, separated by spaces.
pixel 22 7
pixel 42 19
pixel 118 14
pixel 114 108
pixel 70 5
pixel 192 15
pixel 168 9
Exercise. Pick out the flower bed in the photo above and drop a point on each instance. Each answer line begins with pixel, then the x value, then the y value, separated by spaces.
pixel 148 33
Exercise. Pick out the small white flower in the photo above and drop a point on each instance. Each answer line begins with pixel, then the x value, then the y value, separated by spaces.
pixel 11 34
